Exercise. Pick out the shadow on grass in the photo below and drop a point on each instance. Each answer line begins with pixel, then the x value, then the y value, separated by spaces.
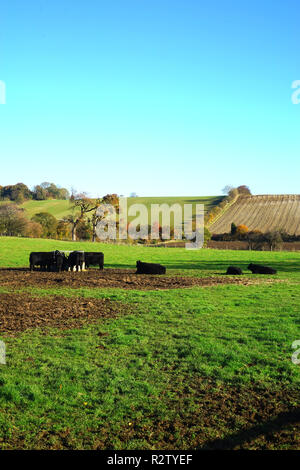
pixel 208 202
pixel 290 266
pixel 15 269
pixel 275 425
pixel 218 267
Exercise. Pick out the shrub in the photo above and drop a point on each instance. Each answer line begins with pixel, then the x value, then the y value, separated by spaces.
pixel 244 190
pixel 48 223
pixel 255 240
pixel 63 230
pixel 33 230
pixel 241 230
pixel 207 236
pixel 233 229
pixel 84 231
pixel 12 220
pixel 273 240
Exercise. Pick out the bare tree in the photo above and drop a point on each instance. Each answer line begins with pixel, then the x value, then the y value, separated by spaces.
pixel 274 240
pixel 255 240
pixel 107 200
pixel 227 189
pixel 73 220
pixel 81 206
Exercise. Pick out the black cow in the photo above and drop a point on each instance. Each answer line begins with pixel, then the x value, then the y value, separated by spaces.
pixel 43 259
pixel 94 259
pixel 76 258
pixel 48 261
pixel 257 269
pixel 149 268
pixel 60 262
pixel 234 270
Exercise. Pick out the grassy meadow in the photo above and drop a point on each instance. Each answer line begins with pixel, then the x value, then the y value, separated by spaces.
pixel 205 367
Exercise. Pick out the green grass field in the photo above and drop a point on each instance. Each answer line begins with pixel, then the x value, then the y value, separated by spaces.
pixel 61 208
pixel 184 369
pixel 56 207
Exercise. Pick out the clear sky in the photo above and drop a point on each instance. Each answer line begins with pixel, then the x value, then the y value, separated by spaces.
pixel 159 97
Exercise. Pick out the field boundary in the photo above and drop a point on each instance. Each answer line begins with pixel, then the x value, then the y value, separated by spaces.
pixel 228 205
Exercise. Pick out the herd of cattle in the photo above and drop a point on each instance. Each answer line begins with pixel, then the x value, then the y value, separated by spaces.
pixel 254 268
pixel 58 260
pixel 78 260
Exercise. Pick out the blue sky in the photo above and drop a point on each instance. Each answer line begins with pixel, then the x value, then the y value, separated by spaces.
pixel 159 97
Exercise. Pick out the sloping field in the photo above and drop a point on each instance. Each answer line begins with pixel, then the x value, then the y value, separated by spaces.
pixel 61 208
pixel 58 208
pixel 264 213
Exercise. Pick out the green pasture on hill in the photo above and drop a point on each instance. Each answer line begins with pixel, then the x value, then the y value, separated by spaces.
pixel 62 208
pixel 183 369
pixel 56 207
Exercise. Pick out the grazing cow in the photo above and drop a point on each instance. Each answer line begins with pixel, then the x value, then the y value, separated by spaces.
pixel 256 269
pixel 48 261
pixel 60 262
pixel 234 270
pixel 149 268
pixel 76 259
pixel 43 259
pixel 94 259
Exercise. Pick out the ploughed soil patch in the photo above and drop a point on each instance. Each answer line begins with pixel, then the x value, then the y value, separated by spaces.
pixel 120 278
pixel 18 312
pixel 225 417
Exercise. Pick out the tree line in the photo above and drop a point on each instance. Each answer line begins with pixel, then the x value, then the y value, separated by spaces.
pixel 257 240
pixel 231 196
pixel 80 224
pixel 19 192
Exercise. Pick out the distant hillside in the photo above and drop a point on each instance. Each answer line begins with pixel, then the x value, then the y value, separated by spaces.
pixel 264 213
pixel 208 201
pixel 61 208
pixel 57 207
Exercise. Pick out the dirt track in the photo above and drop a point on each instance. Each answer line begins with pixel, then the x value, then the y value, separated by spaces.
pixel 109 278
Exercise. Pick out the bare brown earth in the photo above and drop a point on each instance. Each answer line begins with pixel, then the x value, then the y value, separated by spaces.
pixel 230 418
pixel 109 278
pixel 262 212
pixel 19 312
